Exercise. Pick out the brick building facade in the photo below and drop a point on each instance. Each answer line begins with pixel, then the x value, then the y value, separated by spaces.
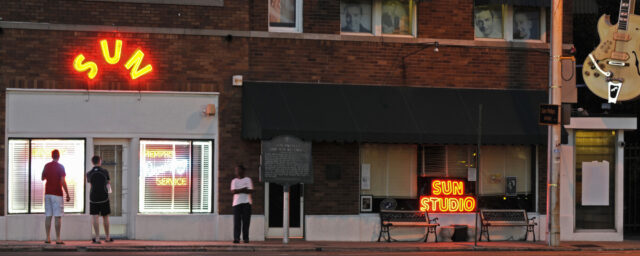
pixel 198 48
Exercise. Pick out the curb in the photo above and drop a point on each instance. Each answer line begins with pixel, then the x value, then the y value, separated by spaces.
pixel 224 248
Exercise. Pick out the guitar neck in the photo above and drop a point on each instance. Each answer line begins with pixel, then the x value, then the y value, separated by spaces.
pixel 626 7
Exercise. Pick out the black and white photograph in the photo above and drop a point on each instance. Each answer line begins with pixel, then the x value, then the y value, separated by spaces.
pixel 366 203
pixel 526 23
pixel 488 21
pixel 511 186
pixel 355 16
pixel 396 17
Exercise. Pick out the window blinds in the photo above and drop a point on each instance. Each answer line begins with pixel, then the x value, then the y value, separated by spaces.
pixel 175 176
pixel 26 189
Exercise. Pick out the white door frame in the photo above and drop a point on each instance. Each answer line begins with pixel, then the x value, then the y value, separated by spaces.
pixel 278 232
pixel 126 187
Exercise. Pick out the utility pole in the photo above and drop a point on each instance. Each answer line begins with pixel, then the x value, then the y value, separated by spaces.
pixel 553 144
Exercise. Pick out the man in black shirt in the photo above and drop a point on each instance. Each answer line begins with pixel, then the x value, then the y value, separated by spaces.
pixel 98 177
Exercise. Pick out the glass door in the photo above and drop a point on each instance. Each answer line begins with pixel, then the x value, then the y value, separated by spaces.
pixel 595 180
pixel 274 206
pixel 114 159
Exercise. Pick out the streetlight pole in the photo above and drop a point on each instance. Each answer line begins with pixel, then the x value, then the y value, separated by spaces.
pixel 553 144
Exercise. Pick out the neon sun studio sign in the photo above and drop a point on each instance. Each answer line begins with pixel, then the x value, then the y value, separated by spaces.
pixel 133 64
pixel 447 196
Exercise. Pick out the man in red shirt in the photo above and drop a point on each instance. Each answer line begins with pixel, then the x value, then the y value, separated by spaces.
pixel 54 206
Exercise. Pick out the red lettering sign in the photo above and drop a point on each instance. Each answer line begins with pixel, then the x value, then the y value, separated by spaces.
pixel 447 196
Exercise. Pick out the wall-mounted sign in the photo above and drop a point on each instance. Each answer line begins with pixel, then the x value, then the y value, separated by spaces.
pixel 132 64
pixel 447 196
pixel 549 114
pixel 286 160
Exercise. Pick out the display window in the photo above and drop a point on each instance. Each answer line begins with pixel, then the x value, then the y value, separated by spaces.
pixel 404 173
pixel 175 176
pixel 26 161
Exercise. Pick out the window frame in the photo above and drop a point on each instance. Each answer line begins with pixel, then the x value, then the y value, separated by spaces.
pixel 29 174
pixel 211 177
pixel 298 21
pixel 507 26
pixel 376 22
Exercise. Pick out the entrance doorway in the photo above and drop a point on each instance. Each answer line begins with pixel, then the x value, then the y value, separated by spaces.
pixel 274 211
pixel 114 154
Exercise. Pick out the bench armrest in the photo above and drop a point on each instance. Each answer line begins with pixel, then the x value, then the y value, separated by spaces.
pixel 434 220
pixel 533 220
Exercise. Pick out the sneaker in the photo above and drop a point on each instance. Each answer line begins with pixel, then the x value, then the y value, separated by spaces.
pixel 246 241
pixel 236 241
pixel 95 241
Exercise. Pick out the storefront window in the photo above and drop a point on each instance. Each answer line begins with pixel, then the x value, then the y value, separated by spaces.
pixel 26 160
pixel 175 176
pixel 406 172
pixel 392 170
pixel 503 166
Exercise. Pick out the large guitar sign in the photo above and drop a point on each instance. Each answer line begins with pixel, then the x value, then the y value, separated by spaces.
pixel 612 70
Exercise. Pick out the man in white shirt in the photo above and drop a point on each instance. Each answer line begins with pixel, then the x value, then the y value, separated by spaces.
pixel 241 187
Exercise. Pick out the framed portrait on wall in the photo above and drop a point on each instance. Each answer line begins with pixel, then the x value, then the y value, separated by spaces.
pixel 396 17
pixel 355 16
pixel 366 203
pixel 488 21
pixel 526 23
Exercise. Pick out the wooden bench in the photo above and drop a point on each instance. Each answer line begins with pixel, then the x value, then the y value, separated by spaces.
pixel 407 219
pixel 506 218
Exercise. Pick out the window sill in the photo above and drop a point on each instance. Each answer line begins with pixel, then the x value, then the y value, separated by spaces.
pixel 284 30
pixel 218 3
pixel 397 36
pixel 356 34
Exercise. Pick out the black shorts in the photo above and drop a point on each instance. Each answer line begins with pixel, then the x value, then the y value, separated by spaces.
pixel 102 209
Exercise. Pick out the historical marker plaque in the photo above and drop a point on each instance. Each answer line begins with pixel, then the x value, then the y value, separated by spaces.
pixel 286 160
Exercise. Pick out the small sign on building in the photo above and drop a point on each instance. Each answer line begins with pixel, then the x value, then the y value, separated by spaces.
pixel 549 114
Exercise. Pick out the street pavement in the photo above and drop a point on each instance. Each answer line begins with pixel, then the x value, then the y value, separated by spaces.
pixel 568 253
pixel 299 247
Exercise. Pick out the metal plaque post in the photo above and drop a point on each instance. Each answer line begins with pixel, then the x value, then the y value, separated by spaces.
pixel 285 214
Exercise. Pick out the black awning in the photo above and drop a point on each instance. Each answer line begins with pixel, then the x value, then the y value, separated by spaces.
pixel 390 114
pixel 541 3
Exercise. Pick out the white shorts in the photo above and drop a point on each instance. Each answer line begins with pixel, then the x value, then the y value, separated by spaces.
pixel 53 205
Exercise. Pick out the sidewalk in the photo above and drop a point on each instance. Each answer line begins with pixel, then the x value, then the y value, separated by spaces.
pixel 304 246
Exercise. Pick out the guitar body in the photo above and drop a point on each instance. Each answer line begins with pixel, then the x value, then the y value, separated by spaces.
pixel 620 48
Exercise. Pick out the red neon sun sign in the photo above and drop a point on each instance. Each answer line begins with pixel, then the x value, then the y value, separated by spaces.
pixel 447 196
pixel 133 64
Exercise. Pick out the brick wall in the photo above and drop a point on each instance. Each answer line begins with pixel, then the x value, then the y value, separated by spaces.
pixel 334 194
pixel 234 14
pixel 381 64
